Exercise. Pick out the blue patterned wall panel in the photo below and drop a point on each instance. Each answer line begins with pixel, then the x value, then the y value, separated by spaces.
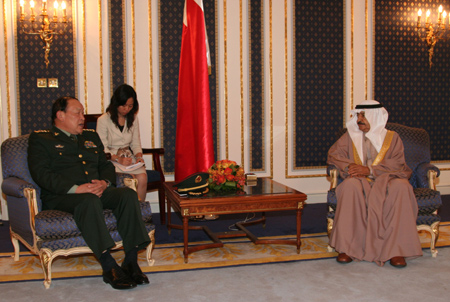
pixel 35 103
pixel 256 95
pixel 414 94
pixel 117 43
pixel 171 28
pixel 318 78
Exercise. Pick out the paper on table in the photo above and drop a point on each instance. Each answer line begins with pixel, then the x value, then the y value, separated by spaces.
pixel 130 167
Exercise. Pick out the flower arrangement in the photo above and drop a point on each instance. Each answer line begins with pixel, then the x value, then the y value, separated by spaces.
pixel 226 175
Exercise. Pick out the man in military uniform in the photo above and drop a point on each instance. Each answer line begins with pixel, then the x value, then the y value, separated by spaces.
pixel 70 166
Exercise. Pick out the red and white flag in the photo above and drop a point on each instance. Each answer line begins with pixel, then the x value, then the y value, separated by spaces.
pixel 194 148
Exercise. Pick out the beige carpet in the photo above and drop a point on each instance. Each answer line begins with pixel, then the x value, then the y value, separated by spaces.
pixel 169 257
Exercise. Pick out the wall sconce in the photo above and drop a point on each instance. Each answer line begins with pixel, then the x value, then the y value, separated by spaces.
pixel 431 35
pixel 46 32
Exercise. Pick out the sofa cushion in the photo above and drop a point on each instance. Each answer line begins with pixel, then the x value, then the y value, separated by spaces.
pixel 78 241
pixel 428 200
pixel 52 224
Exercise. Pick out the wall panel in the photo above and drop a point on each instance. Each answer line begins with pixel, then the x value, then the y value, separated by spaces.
pixel 34 104
pixel 413 93
pixel 117 43
pixel 256 84
pixel 318 79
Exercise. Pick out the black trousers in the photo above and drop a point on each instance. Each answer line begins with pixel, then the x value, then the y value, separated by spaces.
pixel 88 209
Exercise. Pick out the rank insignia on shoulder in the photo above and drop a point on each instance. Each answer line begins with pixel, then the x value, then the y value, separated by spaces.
pixel 42 131
pixel 59 146
pixel 89 144
pixel 90 130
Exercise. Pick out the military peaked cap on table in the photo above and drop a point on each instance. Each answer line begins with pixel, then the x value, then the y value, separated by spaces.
pixel 195 184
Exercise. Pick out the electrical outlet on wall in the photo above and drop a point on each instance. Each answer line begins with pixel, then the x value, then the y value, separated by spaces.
pixel 53 82
pixel 42 83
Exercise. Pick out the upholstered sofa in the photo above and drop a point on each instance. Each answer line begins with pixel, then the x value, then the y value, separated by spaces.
pixel 50 233
pixel 417 155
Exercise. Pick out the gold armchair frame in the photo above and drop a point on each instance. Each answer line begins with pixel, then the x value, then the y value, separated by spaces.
pixel 432 229
pixel 47 256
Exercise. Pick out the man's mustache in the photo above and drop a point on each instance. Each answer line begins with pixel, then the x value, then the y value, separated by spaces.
pixel 361 123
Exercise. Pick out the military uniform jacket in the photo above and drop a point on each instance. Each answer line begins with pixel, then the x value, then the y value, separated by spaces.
pixel 57 163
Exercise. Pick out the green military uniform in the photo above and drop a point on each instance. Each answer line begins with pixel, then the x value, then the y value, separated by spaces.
pixel 57 163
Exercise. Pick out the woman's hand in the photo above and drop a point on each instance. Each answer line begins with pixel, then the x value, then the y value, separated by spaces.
pixel 139 158
pixel 126 161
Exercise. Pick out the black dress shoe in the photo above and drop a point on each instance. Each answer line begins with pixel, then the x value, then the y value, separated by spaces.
pixel 343 258
pixel 118 279
pixel 398 262
pixel 134 272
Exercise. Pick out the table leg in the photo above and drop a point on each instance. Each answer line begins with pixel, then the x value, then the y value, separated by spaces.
pixel 169 216
pixel 264 219
pixel 299 229
pixel 185 237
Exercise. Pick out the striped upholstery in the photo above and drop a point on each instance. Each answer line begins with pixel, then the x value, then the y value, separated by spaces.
pixel 51 224
pixel 15 164
pixel 78 241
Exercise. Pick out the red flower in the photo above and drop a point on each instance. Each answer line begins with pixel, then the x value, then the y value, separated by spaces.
pixel 220 179
pixel 225 175
pixel 229 177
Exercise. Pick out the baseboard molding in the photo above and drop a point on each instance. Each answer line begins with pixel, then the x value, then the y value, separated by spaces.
pixel 445 190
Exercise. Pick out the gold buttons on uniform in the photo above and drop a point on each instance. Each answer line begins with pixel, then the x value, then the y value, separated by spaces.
pixel 80 155
pixel 83 162
pixel 86 172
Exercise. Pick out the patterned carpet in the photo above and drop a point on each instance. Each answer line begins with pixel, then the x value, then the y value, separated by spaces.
pixel 169 257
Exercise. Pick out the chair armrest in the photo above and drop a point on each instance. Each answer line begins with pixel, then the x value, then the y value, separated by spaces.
pixel 156 152
pixel 333 172
pixel 426 175
pixel 13 186
pixel 126 180
pixel 432 175
pixel 21 198
pixel 330 168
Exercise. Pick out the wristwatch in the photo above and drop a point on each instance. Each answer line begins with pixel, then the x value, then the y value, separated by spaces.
pixel 108 183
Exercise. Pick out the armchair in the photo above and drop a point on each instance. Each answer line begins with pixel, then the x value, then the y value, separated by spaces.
pixel 50 233
pixel 417 155
pixel 155 177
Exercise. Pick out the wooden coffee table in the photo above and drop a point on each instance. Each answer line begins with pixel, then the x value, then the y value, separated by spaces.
pixel 266 196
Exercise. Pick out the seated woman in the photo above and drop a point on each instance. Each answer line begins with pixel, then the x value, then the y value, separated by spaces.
pixel 118 129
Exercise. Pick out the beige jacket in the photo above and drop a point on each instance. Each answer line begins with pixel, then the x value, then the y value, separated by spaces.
pixel 113 139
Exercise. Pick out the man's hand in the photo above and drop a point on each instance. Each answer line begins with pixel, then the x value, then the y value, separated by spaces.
pixel 355 170
pixel 95 187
